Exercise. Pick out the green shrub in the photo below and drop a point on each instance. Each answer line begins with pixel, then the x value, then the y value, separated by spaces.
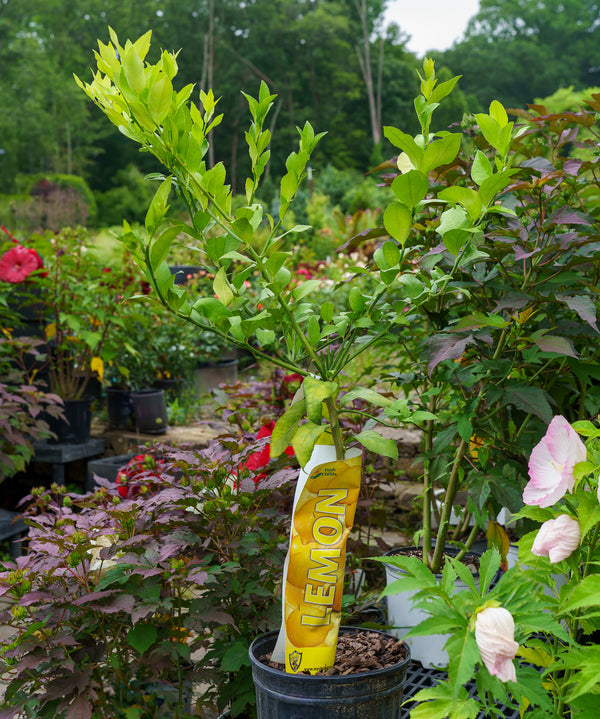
pixel 48 201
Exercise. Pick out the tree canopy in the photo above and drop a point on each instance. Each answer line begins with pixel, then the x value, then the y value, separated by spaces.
pixel 329 61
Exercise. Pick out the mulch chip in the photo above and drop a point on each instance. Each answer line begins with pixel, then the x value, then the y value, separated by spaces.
pixel 360 651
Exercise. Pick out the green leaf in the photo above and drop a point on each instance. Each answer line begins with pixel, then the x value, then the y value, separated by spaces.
pixel 532 400
pixel 493 185
pixel 222 288
pixel 444 89
pixel 397 220
pixel 464 654
pixel 465 196
pixel 161 246
pixel 410 188
pixel 313 330
pixel 158 206
pixel 498 112
pixel 142 636
pixel 463 572
pixel 489 564
pixel 481 168
pixel 265 337
pixel 454 218
pixel 316 391
pixel 391 253
pixel 465 428
pixel 478 320
pixel 412 286
pixel 133 66
pixel 159 99
pixel 366 394
pixel 490 129
pixel 356 300
pixel 305 439
pixel 286 427
pixel 404 142
pixel 305 288
pixel 455 240
pixel 243 229
pixel 211 308
pixel 235 657
pixel 585 594
pixel 440 152
pixel 327 311
pixel 374 442
pixel 433 625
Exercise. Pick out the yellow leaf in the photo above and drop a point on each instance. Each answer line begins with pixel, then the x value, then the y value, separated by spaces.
pixel 50 331
pixel 497 537
pixel 97 365
pixel 474 445
pixel 536 656
pixel 526 314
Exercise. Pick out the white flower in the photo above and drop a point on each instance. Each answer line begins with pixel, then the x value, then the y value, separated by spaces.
pixel 495 637
pixel 557 538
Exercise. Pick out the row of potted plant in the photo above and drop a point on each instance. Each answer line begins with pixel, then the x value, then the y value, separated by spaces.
pixel 73 326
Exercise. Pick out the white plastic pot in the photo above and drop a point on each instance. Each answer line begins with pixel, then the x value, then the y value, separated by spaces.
pixel 402 616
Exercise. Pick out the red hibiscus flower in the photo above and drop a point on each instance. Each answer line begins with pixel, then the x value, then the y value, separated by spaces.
pixel 259 460
pixel 18 263
pixel 142 466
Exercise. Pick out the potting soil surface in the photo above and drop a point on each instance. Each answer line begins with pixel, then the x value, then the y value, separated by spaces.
pixel 359 652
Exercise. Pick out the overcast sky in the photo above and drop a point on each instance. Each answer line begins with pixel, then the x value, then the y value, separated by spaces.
pixel 432 24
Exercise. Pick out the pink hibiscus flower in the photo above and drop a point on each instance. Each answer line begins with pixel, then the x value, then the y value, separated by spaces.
pixel 551 464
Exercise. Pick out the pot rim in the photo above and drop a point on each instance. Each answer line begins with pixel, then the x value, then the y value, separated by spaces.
pixel 452 551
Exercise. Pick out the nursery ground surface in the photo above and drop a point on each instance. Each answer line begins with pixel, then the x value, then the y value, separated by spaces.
pixel 359 652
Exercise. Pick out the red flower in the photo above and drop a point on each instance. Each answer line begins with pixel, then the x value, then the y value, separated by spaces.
pixel 18 263
pixel 259 460
pixel 142 466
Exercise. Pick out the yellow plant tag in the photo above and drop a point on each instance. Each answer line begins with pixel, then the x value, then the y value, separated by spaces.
pixel 321 522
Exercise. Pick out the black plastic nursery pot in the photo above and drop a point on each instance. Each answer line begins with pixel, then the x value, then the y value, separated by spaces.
pixel 374 694
pixel 209 375
pixel 183 272
pixel 150 409
pixel 76 426
pixel 118 408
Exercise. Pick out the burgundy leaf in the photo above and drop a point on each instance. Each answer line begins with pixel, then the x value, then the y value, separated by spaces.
pixel 565 216
pixel 571 167
pixel 198 576
pixel 445 347
pixel 124 603
pixel 79 709
pixel 557 345
pixel 521 254
pixel 93 596
pixel 513 301
pixel 568 135
pixel 545 167
pixel 584 307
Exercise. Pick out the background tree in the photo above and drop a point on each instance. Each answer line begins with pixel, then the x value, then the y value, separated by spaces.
pixel 516 50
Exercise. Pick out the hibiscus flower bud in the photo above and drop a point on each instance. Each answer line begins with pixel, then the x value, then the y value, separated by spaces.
pixel 495 637
pixel 551 464
pixel 557 538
